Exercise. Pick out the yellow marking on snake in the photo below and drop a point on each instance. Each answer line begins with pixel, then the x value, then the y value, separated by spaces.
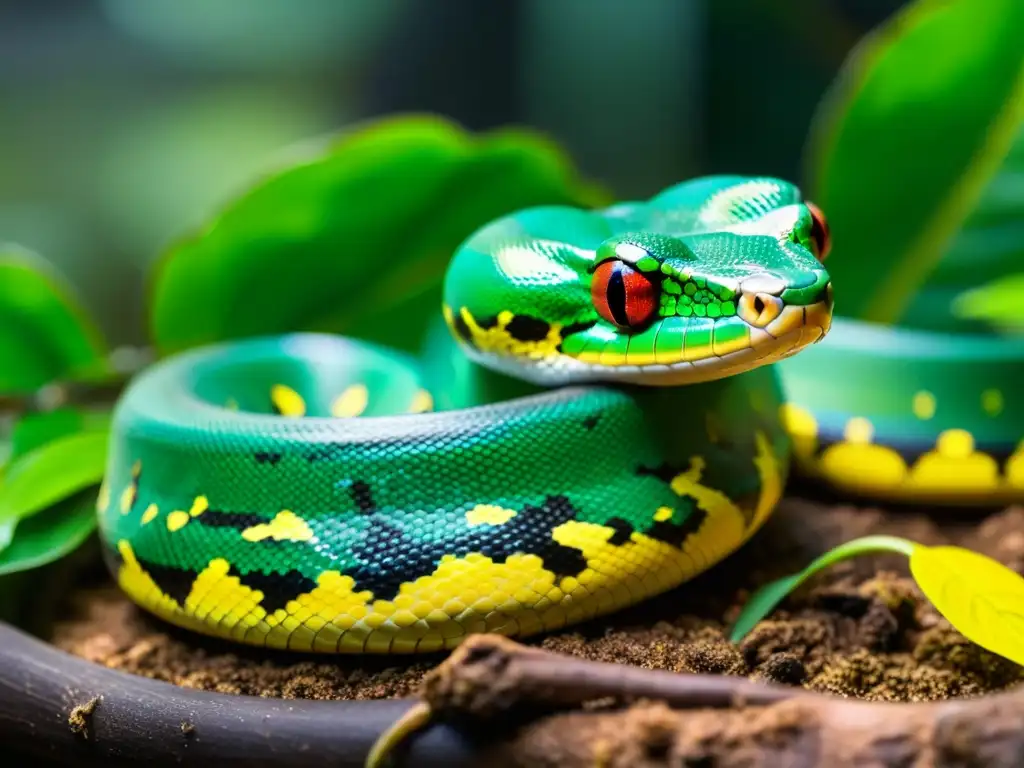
pixel 953 467
pixel 498 340
pixel 923 405
pixel 955 464
pixel 150 514
pixel 351 403
pixel 735 344
pixel 199 505
pixel 287 401
pixel 489 514
pixel 802 428
pixel 859 431
pixel 131 491
pixel 662 514
pixel 177 520
pixel 422 402
pixel 128 496
pixel 285 526
pixel 464 594
pixel 772 481
pixel 103 497
pixel 860 462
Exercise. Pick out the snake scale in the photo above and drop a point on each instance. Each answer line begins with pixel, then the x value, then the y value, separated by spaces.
pixel 595 418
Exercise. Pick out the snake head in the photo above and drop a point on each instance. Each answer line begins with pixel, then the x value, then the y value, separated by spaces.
pixel 710 278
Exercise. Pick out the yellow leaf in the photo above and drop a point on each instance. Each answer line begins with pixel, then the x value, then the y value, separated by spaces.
pixel 982 598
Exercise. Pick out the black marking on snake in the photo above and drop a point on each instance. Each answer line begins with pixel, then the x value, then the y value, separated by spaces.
pixel 527 328
pixel 591 421
pixel 676 534
pixel 320 454
pixel 174 582
pixel 460 327
pixel 573 328
pixel 665 531
pixel 390 556
pixel 216 518
pixel 277 588
pixel 623 531
pixel 264 457
pixel 664 472
pixel 362 495
pixel 716 475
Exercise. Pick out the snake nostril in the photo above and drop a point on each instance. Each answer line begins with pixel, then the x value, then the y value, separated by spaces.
pixel 758 305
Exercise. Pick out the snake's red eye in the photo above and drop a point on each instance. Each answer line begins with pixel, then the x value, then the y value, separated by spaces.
pixel 819 232
pixel 622 295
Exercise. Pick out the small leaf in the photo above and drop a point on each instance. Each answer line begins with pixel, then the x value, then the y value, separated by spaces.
pixel 50 474
pixel 980 597
pixel 764 600
pixel 51 534
pixel 906 142
pixel 45 334
pixel 999 303
pixel 352 237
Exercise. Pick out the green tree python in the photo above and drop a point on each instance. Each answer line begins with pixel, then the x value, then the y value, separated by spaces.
pixel 607 405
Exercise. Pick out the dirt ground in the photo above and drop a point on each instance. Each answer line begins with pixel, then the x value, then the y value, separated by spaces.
pixel 861 630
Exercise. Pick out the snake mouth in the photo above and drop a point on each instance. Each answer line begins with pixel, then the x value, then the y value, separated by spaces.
pixel 676 350
pixel 792 329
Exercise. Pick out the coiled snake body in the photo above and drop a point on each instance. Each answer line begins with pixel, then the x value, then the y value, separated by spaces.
pixel 597 423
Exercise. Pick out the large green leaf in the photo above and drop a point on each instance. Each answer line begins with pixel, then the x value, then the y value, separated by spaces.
pixel 48 475
pixel 978 285
pixel 51 534
pixel 33 430
pixel 352 237
pixel 913 131
pixel 45 333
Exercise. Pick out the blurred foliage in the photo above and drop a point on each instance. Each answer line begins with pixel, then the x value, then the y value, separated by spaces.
pixel 55 459
pixel 45 333
pixel 287 34
pixel 352 235
pixel 999 303
pixel 907 142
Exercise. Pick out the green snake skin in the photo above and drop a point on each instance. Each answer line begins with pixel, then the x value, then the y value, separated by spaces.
pixel 595 422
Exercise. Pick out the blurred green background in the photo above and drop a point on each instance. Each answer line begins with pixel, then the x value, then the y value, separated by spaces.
pixel 124 121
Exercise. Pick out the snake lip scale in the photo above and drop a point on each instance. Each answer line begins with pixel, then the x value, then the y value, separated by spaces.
pixel 606 406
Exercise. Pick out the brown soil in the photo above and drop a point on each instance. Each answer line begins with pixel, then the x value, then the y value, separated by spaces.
pixel 862 629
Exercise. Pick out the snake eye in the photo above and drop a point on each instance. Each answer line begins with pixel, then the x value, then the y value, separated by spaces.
pixel 819 232
pixel 622 295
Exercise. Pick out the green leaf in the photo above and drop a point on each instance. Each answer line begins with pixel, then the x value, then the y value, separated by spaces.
pixel 33 430
pixel 982 598
pixel 999 303
pixel 48 475
pixel 764 600
pixel 910 135
pixel 977 287
pixel 352 235
pixel 51 534
pixel 45 334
